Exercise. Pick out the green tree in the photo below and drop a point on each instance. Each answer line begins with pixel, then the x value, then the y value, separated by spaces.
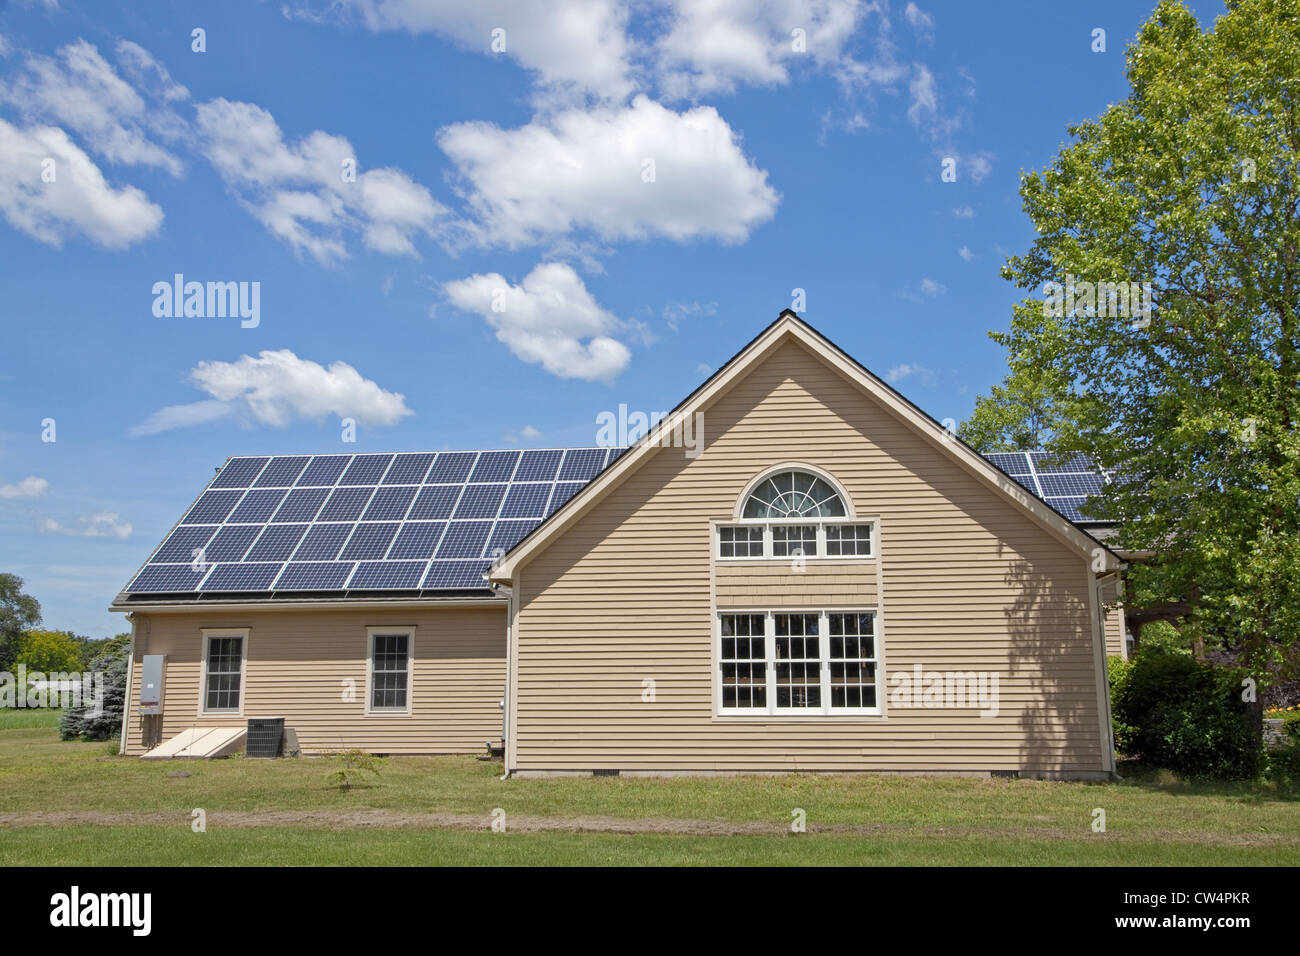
pixel 18 612
pixel 1190 184
pixel 50 651
pixel 1021 414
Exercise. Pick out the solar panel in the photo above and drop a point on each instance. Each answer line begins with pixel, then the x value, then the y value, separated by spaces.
pixel 526 500
pixel 409 469
pixel 277 542
pixel 582 464
pixel 539 465
pixel 257 506
pixel 390 504
pixel 282 471
pixel 1013 463
pixel 366 470
pixel 1069 507
pixel 1047 464
pixel 314 576
pixel 369 540
pixel 464 539
pixel 495 466
pixel 324 470
pixel 346 504
pixel 1055 485
pixel 181 543
pixel 480 501
pixel 167 578
pixel 230 543
pixel 323 542
pixel 387 575
pixel 302 504
pixel 417 539
pixel 239 472
pixel 506 535
pixel 435 501
pixel 241 577
pixel 563 492
pixel 456 575
pixel 451 466
pixel 213 507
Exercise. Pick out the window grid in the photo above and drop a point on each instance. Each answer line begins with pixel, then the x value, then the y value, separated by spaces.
pixel 794 540
pixel 852 660
pixel 798 660
pixel 390 672
pixel 740 541
pixel 771 540
pixel 225 659
pixel 743 660
pixel 848 540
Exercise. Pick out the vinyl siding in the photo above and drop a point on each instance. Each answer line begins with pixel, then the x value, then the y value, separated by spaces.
pixel 297 663
pixel 1116 646
pixel 964 581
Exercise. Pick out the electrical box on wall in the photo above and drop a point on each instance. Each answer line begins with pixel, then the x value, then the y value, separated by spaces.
pixel 152 668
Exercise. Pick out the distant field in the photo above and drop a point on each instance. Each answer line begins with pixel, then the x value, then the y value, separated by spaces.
pixel 74 803
pixel 24 718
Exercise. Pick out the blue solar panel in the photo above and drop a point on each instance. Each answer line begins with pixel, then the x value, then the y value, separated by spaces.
pixel 387 575
pixel 230 543
pixel 480 501
pixel 417 539
pixel 324 470
pixel 166 578
pixel 1047 464
pixel 582 464
pixel 213 507
pixel 539 465
pixel 302 504
pixel 435 501
pixel 366 470
pixel 451 466
pixel 1013 463
pixel 257 506
pixel 409 469
pixel 1069 507
pixel 526 501
pixel 495 466
pixel 277 542
pixel 239 472
pixel 390 504
pixel 458 575
pixel 1055 485
pixel 182 542
pixel 506 535
pixel 1026 482
pixel 314 576
pixel 346 504
pixel 241 577
pixel 369 541
pixel 464 539
pixel 563 492
pixel 323 542
pixel 282 472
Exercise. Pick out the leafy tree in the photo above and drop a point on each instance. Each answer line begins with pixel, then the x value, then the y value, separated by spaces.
pixel 18 612
pixel 1190 184
pixel 1021 414
pixel 49 651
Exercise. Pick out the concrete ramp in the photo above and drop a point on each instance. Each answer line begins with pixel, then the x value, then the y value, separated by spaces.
pixel 199 743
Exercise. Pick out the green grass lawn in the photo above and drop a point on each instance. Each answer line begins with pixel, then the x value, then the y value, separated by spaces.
pixel 75 803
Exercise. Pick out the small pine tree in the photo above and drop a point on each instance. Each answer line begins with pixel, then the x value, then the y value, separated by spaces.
pixel 79 723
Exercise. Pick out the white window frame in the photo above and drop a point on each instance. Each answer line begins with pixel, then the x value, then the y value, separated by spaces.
pixel 371 633
pixel 208 634
pixel 821 525
pixel 825 710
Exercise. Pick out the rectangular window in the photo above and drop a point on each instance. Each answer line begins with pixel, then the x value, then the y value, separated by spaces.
pixel 744 661
pixel 848 539
pixel 223 673
pixel 390 672
pixel 789 540
pixel 740 541
pixel 852 660
pixel 798 662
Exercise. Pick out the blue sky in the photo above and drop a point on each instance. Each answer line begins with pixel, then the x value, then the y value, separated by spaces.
pixel 465 247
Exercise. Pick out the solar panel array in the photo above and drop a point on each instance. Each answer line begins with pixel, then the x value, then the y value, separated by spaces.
pixel 430 521
pixel 1064 484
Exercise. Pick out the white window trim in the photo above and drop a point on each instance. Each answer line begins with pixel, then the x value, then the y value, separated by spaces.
pixel 772 711
pixel 820 523
pixel 739 510
pixel 208 633
pixel 371 632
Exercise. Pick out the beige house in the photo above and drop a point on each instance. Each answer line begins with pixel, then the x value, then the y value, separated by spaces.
pixel 795 570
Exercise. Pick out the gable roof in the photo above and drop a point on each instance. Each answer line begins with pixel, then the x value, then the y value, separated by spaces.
pixel 788 326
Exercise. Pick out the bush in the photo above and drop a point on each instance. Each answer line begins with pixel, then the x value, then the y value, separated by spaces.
pixel 1117 672
pixel 1173 711
pixel 1284 763
pixel 78 723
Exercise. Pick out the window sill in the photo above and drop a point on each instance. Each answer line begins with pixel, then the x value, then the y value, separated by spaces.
pixel 799 718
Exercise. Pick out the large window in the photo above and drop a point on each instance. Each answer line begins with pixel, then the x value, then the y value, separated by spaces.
pixel 798 662
pixel 223 672
pixel 793 513
pixel 390 672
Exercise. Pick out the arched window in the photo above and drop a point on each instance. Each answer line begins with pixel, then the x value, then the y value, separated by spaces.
pixel 793 493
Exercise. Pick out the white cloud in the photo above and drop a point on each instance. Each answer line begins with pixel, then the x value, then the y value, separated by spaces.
pixel 677 312
pixel 29 487
pixel 574 46
pixel 549 319
pixel 587 170
pixel 978 165
pixel 277 388
pixel 299 192
pixel 924 99
pixel 704 370
pixel 81 92
pixel 965 253
pixel 105 524
pixel 923 375
pixel 931 288
pixel 918 19
pixel 529 433
pixel 964 212
pixel 79 201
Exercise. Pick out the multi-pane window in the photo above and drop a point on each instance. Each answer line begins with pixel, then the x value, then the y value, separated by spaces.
pixel 848 539
pixel 390 672
pixel 791 540
pixel 852 659
pixel 740 541
pixel 744 660
pixel 223 669
pixel 798 662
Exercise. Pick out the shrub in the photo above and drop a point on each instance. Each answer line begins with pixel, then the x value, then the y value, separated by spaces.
pixel 352 768
pixel 1175 712
pixel 79 723
pixel 1118 671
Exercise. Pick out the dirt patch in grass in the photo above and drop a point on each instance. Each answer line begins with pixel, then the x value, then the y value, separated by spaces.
pixel 362 819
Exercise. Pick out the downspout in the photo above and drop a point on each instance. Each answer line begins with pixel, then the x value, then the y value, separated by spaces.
pixel 1098 583
pixel 126 694
pixel 506 702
